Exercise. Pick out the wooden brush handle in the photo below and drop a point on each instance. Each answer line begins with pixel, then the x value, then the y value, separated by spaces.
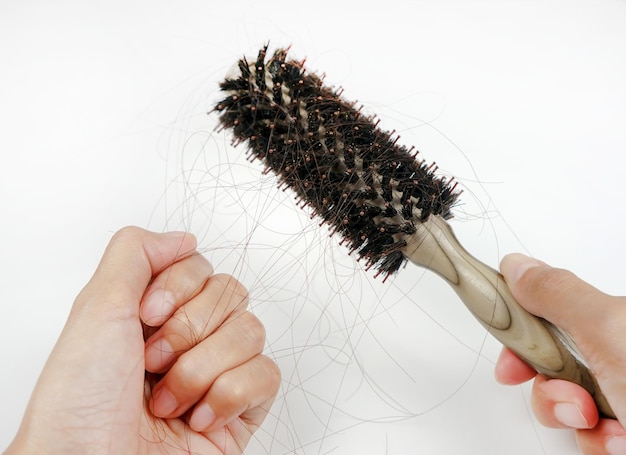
pixel 545 347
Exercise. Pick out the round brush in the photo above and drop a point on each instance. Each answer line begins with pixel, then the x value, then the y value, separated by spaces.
pixel 389 206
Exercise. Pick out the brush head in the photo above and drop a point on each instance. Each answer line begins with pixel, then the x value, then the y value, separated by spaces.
pixel 355 176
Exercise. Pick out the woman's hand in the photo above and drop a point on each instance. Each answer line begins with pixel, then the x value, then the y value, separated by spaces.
pixel 158 355
pixel 597 322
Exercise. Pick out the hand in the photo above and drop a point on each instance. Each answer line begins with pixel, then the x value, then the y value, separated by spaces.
pixel 208 387
pixel 597 322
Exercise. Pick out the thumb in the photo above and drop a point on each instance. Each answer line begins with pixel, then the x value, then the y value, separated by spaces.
pixel 596 321
pixel 556 295
pixel 128 264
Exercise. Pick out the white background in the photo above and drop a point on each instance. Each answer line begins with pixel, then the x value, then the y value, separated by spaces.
pixel 103 124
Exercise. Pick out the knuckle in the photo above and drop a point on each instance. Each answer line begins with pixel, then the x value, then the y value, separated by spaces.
pixel 188 376
pixel 187 327
pixel 232 393
pixel 549 280
pixel 203 264
pixel 196 265
pixel 232 289
pixel 271 372
pixel 235 391
pixel 128 233
pixel 253 329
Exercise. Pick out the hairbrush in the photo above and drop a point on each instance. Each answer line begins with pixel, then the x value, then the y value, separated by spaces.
pixel 388 206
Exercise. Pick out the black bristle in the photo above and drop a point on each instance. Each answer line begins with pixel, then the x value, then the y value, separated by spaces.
pixel 353 175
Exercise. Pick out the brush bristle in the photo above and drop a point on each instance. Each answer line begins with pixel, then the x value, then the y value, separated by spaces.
pixel 354 175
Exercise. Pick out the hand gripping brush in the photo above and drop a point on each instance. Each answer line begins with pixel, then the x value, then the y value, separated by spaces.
pixel 388 206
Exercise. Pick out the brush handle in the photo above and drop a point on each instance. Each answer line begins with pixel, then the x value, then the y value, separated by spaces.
pixel 542 345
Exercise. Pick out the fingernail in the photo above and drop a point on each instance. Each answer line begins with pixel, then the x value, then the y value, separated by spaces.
pixel 157 306
pixel 616 445
pixel 514 266
pixel 158 355
pixel 202 417
pixel 163 403
pixel 570 415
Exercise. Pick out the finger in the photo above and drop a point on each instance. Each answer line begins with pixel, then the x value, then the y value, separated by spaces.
pixel 173 287
pixel 246 391
pixel 511 370
pixel 563 404
pixel 607 438
pixel 193 373
pixel 557 295
pixel 194 321
pixel 596 320
pixel 130 260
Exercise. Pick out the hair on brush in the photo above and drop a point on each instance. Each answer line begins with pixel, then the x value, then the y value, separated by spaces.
pixel 388 206
pixel 355 176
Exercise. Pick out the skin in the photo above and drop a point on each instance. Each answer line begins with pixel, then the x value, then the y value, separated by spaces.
pixel 108 389
pixel 597 322
pixel 113 385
